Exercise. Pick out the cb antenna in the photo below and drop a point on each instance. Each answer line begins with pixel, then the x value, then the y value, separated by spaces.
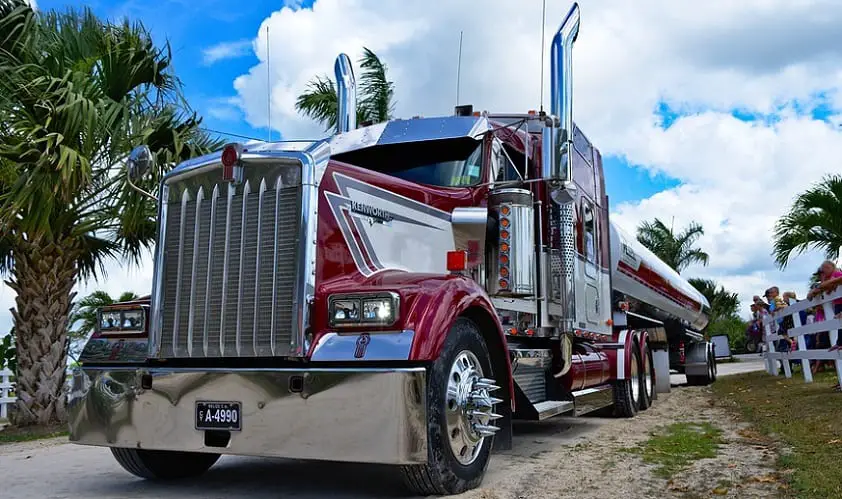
pixel 543 24
pixel 268 85
pixel 459 68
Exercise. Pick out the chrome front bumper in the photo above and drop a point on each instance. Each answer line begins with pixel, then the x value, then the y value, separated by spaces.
pixel 357 415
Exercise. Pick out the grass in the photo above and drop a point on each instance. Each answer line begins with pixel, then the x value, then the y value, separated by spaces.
pixel 675 447
pixel 805 418
pixel 13 434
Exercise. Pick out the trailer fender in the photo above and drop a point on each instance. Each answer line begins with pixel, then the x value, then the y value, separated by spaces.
pixel 432 308
pixel 626 343
pixel 696 358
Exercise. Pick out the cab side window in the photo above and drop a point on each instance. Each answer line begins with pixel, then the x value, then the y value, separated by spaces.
pixel 504 158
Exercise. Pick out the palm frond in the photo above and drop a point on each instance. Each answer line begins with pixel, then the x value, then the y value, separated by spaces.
pixel 677 251
pixel 319 101
pixel 813 222
pixel 375 89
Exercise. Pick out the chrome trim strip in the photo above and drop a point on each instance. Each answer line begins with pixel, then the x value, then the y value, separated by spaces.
pixel 225 270
pixel 192 312
pixel 593 399
pixel 391 345
pixel 246 192
pixel 515 304
pixel 156 316
pixel 109 407
pixel 530 353
pixel 272 330
pixel 185 198
pixel 261 192
pixel 316 160
pixel 214 198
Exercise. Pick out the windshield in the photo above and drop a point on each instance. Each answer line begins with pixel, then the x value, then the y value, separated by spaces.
pixel 442 163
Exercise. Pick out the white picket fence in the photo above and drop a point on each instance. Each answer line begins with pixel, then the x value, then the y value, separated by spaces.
pixel 829 324
pixel 6 389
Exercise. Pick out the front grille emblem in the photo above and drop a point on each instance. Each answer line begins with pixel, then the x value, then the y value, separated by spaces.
pixel 362 345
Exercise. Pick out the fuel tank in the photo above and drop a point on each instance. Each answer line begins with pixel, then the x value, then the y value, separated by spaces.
pixel 638 273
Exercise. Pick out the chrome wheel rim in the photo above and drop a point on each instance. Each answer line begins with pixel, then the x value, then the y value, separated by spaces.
pixel 469 408
pixel 635 378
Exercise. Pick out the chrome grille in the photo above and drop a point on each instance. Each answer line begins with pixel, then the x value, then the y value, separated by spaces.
pixel 230 264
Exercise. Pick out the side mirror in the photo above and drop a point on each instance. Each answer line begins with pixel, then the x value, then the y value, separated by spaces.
pixel 140 161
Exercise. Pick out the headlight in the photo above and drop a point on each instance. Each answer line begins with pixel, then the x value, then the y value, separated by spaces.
pixel 376 309
pixel 122 322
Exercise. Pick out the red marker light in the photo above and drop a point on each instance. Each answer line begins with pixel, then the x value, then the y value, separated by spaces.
pixel 230 159
pixel 457 260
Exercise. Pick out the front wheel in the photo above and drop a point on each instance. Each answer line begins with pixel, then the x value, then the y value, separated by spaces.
pixel 163 465
pixel 460 416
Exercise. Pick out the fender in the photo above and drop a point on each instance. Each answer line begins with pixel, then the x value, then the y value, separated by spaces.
pixel 430 304
pixel 433 307
pixel 623 348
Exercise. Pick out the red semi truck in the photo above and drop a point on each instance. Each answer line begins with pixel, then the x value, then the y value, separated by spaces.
pixel 396 293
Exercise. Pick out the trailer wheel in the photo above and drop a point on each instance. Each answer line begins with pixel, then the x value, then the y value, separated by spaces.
pixel 163 465
pixel 709 376
pixel 627 391
pixel 460 416
pixel 647 375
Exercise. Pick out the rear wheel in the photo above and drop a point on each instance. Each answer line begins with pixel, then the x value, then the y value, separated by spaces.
pixel 163 465
pixel 627 391
pixel 460 416
pixel 647 379
pixel 709 376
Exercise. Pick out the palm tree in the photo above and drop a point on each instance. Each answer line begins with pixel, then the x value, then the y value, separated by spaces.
pixel 723 304
pixel 76 93
pixel 374 103
pixel 84 318
pixel 813 222
pixel 676 250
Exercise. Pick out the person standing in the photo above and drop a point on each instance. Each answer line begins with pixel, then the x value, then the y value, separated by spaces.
pixel 830 278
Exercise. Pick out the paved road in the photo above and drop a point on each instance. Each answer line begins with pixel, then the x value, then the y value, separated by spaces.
pixel 54 469
pixel 747 363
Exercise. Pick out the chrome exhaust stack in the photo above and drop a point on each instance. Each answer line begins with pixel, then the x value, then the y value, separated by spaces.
pixel 561 58
pixel 346 93
pixel 558 139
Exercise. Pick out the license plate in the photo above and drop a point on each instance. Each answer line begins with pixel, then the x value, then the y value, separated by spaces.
pixel 218 416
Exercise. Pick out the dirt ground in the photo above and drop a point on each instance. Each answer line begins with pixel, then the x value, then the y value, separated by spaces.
pixel 597 467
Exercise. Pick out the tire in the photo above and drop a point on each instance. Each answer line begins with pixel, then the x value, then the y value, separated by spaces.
pixel 449 471
pixel 163 465
pixel 626 401
pixel 707 378
pixel 647 379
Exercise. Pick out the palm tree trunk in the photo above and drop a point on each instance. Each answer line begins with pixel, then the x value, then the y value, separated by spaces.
pixel 43 276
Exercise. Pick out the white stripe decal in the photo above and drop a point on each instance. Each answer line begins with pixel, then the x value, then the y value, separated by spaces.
pixel 621 354
pixel 386 231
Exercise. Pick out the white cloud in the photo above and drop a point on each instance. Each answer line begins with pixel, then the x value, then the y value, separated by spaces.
pixel 226 50
pixel 701 58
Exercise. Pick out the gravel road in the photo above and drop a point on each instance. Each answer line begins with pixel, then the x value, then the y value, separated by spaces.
pixel 55 469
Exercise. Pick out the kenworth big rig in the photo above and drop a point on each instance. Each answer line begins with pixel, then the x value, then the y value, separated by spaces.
pixel 396 293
